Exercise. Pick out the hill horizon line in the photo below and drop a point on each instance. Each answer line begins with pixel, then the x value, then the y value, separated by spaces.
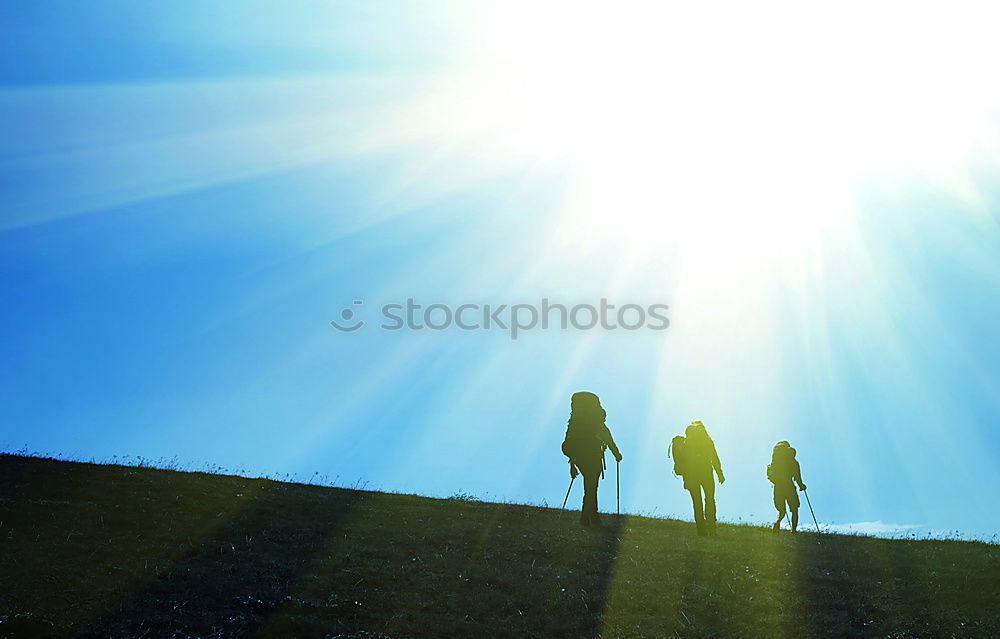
pixel 874 529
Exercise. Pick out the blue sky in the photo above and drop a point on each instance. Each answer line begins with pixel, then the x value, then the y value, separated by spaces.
pixel 190 195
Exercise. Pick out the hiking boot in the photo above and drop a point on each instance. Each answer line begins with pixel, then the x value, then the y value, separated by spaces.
pixel 776 527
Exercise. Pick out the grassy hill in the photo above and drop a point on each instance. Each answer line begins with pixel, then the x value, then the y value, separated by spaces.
pixel 116 551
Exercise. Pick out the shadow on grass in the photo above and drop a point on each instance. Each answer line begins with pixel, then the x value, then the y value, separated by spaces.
pixel 115 551
pixel 375 566
pixel 239 574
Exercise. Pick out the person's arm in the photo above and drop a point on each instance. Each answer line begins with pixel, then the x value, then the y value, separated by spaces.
pixel 566 451
pixel 610 441
pixel 797 475
pixel 717 465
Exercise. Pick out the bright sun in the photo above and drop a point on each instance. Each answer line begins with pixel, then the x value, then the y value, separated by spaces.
pixel 743 125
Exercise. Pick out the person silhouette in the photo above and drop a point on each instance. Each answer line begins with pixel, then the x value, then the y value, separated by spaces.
pixel 700 460
pixel 782 471
pixel 587 437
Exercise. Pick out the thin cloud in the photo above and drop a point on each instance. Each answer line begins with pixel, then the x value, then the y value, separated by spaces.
pixel 871 528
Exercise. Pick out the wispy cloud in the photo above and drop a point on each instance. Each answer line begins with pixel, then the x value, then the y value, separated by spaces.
pixel 878 527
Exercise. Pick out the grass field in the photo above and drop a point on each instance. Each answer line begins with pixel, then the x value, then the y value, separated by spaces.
pixel 117 551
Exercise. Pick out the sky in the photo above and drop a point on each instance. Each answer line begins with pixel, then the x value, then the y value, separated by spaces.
pixel 191 193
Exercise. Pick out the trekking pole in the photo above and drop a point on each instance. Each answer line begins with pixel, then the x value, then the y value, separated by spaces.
pixel 811 510
pixel 618 484
pixel 571 480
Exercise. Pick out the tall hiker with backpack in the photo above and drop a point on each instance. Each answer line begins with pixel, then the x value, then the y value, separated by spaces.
pixel 695 459
pixel 782 471
pixel 587 437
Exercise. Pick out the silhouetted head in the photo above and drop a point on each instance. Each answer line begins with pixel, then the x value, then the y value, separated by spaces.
pixel 585 410
pixel 696 430
pixel 782 450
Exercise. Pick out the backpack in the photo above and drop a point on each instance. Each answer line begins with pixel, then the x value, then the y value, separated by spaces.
pixel 781 454
pixel 582 442
pixel 678 451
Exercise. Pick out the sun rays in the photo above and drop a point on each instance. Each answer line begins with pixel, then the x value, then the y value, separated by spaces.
pixel 811 192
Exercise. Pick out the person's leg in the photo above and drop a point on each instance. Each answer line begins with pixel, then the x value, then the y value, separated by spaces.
pixel 793 507
pixel 709 487
pixel 779 503
pixel 595 518
pixel 589 497
pixel 699 516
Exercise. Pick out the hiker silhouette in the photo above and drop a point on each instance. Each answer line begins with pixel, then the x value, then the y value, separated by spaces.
pixel 587 437
pixel 782 471
pixel 695 459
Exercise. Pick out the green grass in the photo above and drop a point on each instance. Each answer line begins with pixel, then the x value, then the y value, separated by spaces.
pixel 117 551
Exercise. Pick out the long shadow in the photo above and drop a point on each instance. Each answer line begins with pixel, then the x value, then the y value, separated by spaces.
pixel 230 582
pixel 835 586
pixel 338 576
pixel 100 551
pixel 820 602
pixel 500 571
pixel 751 582
pixel 603 555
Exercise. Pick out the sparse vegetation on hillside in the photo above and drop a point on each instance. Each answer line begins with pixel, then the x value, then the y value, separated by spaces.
pixel 116 551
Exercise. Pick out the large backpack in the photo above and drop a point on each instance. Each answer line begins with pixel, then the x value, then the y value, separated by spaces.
pixel 782 454
pixel 582 441
pixel 678 450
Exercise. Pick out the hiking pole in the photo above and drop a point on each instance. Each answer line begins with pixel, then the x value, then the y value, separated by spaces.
pixel 811 510
pixel 571 480
pixel 618 484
